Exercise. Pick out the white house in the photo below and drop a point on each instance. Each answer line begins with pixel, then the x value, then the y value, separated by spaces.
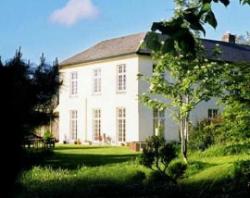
pixel 98 100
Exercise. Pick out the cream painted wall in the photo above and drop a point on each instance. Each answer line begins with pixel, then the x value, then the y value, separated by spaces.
pixel 139 118
pixel 171 126
pixel 107 101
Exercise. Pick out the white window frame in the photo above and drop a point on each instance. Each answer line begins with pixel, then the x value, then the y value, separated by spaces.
pixel 73 83
pixel 121 78
pixel 158 121
pixel 121 123
pixel 73 124
pixel 97 124
pixel 212 113
pixel 97 81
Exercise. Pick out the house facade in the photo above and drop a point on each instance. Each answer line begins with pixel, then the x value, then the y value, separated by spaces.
pixel 98 100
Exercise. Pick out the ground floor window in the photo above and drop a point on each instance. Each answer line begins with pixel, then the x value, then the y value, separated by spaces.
pixel 73 124
pixel 158 121
pixel 97 124
pixel 121 124
pixel 212 113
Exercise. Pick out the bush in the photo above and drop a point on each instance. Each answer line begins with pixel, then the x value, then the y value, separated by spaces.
pixel 47 136
pixel 176 169
pixel 204 133
pixel 157 154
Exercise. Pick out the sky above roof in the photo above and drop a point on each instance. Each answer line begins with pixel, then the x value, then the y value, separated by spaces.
pixel 62 28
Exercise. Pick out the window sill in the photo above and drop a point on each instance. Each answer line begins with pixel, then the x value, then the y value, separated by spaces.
pixel 121 92
pixel 97 94
pixel 73 96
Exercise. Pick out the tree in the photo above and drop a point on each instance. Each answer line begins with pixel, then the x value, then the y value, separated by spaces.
pixel 237 103
pixel 25 94
pixel 189 82
pixel 177 51
pixel 190 16
pixel 244 39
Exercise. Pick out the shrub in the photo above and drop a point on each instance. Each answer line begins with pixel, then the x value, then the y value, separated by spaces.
pixel 176 169
pixel 47 135
pixel 157 154
pixel 78 141
pixel 204 133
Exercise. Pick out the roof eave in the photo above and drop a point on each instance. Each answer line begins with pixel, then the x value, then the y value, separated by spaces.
pixel 94 60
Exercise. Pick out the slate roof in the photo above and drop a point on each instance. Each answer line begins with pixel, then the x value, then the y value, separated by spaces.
pixel 230 52
pixel 106 49
pixel 131 44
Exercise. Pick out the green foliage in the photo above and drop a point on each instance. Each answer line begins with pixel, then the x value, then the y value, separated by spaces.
pixel 205 133
pixel 157 154
pixel 244 39
pixel 47 135
pixel 190 17
pixel 237 102
pixel 27 92
pixel 227 149
pixel 176 169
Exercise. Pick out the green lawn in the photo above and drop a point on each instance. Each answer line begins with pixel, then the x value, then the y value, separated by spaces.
pixel 90 171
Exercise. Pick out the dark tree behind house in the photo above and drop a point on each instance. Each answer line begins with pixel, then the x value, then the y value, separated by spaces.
pixel 26 92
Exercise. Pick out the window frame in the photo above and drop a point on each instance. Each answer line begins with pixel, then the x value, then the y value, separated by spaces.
pixel 73 83
pixel 121 78
pixel 121 124
pixel 73 124
pixel 97 81
pixel 212 113
pixel 159 119
pixel 97 124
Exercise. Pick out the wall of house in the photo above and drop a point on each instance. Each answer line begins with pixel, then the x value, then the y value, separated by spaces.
pixel 107 101
pixel 171 126
pixel 146 114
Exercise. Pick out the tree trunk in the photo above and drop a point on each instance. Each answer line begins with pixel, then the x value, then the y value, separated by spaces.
pixel 185 136
pixel 185 132
pixel 50 124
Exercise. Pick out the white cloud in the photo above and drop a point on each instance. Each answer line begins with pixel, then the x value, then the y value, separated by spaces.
pixel 74 11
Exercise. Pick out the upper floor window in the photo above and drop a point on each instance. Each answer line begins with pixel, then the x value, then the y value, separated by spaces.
pixel 121 78
pixel 97 81
pixel 212 113
pixel 162 74
pixel 158 121
pixel 73 83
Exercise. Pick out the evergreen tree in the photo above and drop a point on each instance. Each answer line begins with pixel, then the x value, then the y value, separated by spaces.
pixel 25 94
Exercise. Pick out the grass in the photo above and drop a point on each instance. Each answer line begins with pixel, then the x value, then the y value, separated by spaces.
pixel 73 171
pixel 215 171
pixel 77 171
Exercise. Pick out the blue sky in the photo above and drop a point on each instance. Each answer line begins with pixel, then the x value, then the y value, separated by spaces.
pixel 61 28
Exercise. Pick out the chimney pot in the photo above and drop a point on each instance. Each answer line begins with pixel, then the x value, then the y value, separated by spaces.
pixel 229 38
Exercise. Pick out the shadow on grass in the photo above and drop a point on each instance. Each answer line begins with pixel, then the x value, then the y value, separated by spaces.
pixel 235 184
pixel 74 161
pixel 197 166
pixel 76 147
pixel 132 186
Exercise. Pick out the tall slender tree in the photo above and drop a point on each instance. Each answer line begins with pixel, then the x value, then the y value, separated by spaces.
pixel 177 51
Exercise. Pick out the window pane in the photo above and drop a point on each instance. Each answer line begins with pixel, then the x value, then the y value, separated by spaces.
pixel 121 124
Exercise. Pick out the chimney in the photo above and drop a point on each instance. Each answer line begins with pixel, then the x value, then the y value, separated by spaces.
pixel 229 38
